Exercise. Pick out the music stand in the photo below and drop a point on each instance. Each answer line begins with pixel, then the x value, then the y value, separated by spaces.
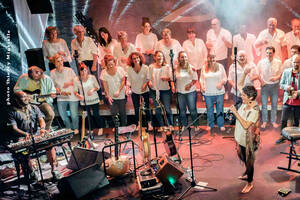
pixel 193 182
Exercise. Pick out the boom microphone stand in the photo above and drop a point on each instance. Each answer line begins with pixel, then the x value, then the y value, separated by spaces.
pixel 193 182
pixel 176 95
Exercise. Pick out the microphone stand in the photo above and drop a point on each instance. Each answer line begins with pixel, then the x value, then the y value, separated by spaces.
pixel 193 182
pixel 178 122
pixel 76 55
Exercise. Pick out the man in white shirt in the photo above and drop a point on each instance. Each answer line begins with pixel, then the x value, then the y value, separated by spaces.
pixel 295 49
pixel 245 41
pixel 86 48
pixel 293 37
pixel 195 49
pixel 269 70
pixel 272 36
pixel 218 40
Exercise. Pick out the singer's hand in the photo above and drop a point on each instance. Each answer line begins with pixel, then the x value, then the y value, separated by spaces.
pixel 27 136
pixel 144 87
pixel 232 108
pixel 247 70
pixel 294 94
pixel 116 94
pixel 289 88
pixel 90 92
pixel 272 78
pixel 188 87
pixel 42 132
pixel 94 68
pixel 110 100
pixel 219 85
pixel 164 78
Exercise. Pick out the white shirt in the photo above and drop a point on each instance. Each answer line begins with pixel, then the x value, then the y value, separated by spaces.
pixel 137 80
pixel 86 50
pixel 277 41
pixel 211 79
pixel 240 70
pixel 109 47
pixel 114 82
pixel 175 46
pixel 219 48
pixel 146 42
pixel 249 115
pixel 245 44
pixel 287 64
pixel 60 78
pixel 157 73
pixel 196 53
pixel 291 40
pixel 267 69
pixel 183 77
pixel 89 84
pixel 119 53
pixel 52 48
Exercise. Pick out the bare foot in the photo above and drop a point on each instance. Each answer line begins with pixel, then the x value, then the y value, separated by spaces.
pixel 275 125
pixel 243 177
pixel 247 188
pixel 222 128
pixel 264 124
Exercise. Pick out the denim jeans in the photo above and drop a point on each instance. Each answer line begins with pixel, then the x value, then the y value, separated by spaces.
pixel 166 99
pixel 98 121
pixel 119 107
pixel 136 103
pixel 62 110
pixel 188 100
pixel 269 90
pixel 290 112
pixel 210 101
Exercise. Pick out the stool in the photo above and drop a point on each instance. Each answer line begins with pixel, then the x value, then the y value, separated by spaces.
pixel 292 134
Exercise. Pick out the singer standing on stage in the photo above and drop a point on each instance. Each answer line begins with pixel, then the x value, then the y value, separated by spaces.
pixel 113 78
pixel 247 130
pixel 186 78
pixel 290 83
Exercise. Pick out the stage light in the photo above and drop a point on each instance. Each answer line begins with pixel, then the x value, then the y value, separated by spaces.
pixel 112 11
pixel 129 4
pixel 172 180
pixel 86 5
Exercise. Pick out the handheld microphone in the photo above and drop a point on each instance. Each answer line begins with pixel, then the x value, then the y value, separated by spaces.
pixel 171 53
pixel 235 51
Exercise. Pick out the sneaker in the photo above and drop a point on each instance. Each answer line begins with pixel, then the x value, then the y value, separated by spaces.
pixel 222 128
pixel 280 140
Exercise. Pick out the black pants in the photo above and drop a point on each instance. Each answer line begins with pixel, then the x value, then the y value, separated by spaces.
pixel 136 103
pixel 249 169
pixel 97 120
pixel 289 112
pixel 119 107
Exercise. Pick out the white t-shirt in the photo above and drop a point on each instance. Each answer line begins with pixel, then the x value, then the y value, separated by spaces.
pixel 51 48
pixel 245 44
pixel 196 53
pixel 59 79
pixel 175 46
pixel 183 77
pixel 137 80
pixel 240 70
pixel 219 48
pixel 277 41
pixel 89 84
pixel 287 64
pixel 291 40
pixel 249 115
pixel 110 47
pixel 267 69
pixel 86 50
pixel 119 53
pixel 114 82
pixel 211 79
pixel 146 42
pixel 157 73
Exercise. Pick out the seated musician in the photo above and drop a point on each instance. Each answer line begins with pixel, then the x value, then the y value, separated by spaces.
pixel 35 81
pixel 25 119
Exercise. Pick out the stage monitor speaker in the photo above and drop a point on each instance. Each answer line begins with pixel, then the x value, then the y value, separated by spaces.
pixel 168 171
pixel 86 157
pixel 35 57
pixel 82 182
pixel 39 6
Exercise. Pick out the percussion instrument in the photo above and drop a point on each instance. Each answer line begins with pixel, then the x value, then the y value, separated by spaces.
pixel 291 133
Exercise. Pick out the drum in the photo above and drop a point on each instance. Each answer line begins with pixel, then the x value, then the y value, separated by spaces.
pixel 291 133
pixel 115 168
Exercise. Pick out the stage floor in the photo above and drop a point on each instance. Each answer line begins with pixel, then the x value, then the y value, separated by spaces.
pixel 216 163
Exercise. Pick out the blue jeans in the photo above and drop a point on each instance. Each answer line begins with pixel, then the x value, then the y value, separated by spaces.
pixel 188 100
pixel 210 101
pixel 62 110
pixel 269 90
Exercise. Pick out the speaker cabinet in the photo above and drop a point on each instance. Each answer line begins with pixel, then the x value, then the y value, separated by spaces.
pixel 39 6
pixel 82 182
pixel 168 171
pixel 35 57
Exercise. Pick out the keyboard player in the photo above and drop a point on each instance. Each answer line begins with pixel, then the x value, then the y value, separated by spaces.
pixel 24 119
